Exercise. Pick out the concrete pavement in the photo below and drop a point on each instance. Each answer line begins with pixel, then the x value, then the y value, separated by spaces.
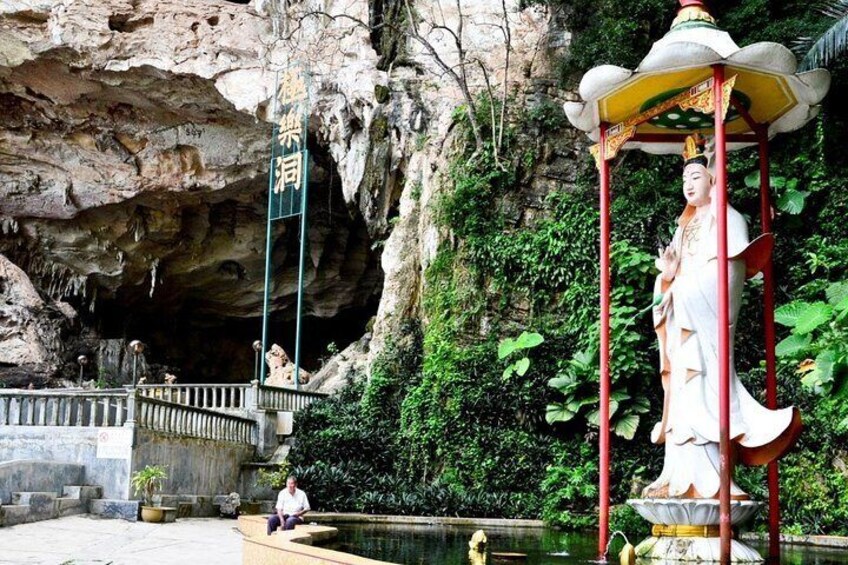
pixel 87 540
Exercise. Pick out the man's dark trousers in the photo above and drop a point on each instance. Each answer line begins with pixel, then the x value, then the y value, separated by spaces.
pixel 290 522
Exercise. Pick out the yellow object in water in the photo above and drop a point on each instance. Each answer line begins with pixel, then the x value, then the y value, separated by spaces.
pixel 627 555
pixel 476 557
pixel 478 541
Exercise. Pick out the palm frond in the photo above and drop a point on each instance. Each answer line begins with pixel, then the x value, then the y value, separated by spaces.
pixel 836 9
pixel 832 44
pixel 801 45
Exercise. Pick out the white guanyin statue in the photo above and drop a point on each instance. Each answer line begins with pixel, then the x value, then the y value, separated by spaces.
pixel 686 322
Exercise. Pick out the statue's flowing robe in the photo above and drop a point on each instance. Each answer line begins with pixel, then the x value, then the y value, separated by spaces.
pixel 686 321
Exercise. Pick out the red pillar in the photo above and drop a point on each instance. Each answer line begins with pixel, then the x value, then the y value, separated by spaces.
pixel 604 435
pixel 723 316
pixel 768 326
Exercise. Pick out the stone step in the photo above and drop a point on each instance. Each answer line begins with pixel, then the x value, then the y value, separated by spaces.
pixel 82 492
pixel 248 506
pixel 256 526
pixel 166 500
pixel 201 505
pixel 184 510
pixel 170 514
pixel 108 508
pixel 11 515
pixel 281 453
pixel 42 505
pixel 70 506
pixel 188 505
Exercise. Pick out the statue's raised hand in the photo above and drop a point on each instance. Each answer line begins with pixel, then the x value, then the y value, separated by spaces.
pixel 667 263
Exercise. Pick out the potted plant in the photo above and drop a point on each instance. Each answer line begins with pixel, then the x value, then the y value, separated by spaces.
pixel 147 482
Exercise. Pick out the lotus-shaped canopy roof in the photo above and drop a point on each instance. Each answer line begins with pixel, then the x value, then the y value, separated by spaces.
pixel 762 77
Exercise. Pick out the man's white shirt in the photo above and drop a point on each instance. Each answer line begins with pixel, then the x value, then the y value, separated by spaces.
pixel 291 503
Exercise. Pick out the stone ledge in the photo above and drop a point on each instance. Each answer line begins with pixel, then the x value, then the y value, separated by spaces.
pixel 256 526
pixel 357 518
pixel 11 515
pixel 278 548
pixel 170 514
pixel 124 509
pixel 837 542
pixel 66 506
pixel 82 492
pixel 282 537
pixel 189 505
pixel 33 475
pixel 42 505
pixel 345 518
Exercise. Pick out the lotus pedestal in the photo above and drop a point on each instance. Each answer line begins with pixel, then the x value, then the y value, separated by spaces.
pixel 687 530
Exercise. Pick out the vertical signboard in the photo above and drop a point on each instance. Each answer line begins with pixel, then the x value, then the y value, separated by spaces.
pixel 288 185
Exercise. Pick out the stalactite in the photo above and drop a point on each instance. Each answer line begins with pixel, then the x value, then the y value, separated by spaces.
pixel 9 226
pixel 153 270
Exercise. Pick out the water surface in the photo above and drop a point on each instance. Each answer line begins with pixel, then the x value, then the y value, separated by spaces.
pixel 448 545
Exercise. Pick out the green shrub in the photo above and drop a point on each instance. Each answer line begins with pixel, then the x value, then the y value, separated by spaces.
pixel 437 430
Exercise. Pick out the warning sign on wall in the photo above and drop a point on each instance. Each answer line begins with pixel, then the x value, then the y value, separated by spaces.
pixel 114 443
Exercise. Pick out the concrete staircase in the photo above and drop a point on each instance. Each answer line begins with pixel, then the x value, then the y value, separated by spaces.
pixel 29 507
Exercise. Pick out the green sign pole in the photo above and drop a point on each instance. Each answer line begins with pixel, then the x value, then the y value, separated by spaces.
pixel 267 284
pixel 269 221
pixel 303 221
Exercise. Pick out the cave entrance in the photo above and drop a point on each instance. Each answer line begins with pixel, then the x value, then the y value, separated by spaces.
pixel 195 297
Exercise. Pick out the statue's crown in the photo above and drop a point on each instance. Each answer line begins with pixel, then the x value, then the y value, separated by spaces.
pixel 693 149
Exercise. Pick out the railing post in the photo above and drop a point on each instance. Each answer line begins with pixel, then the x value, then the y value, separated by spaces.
pixel 54 415
pixel 119 411
pixel 132 405
pixel 106 409
pixel 251 401
pixel 30 411
pixel 42 411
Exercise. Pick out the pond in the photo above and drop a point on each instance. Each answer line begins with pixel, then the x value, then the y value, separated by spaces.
pixel 448 545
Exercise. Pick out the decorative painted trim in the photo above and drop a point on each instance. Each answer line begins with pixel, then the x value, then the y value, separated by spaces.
pixel 698 97
pixel 684 531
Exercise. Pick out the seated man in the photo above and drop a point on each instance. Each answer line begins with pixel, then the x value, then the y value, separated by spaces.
pixel 292 504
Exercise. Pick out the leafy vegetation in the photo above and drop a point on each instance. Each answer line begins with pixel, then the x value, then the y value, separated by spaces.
pixel 148 481
pixel 275 477
pixel 437 429
pixel 819 337
pixel 509 347
pixel 833 43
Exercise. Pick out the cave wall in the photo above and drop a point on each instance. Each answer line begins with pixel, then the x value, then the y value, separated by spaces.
pixel 134 140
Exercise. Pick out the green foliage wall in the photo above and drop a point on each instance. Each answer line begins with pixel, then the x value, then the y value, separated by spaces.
pixel 438 429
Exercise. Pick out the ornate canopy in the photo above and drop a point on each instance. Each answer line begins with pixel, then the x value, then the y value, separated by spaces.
pixel 670 93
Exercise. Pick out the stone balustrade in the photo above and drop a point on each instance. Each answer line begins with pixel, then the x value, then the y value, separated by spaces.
pixel 212 396
pixel 285 399
pixel 64 408
pixel 162 416
pixel 238 413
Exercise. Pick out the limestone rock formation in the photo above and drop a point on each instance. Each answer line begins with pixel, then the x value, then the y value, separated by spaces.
pixel 133 169
pixel 338 370
pixel 30 329
pixel 281 369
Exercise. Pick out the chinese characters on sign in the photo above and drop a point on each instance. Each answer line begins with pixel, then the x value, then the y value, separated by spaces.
pixel 288 150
